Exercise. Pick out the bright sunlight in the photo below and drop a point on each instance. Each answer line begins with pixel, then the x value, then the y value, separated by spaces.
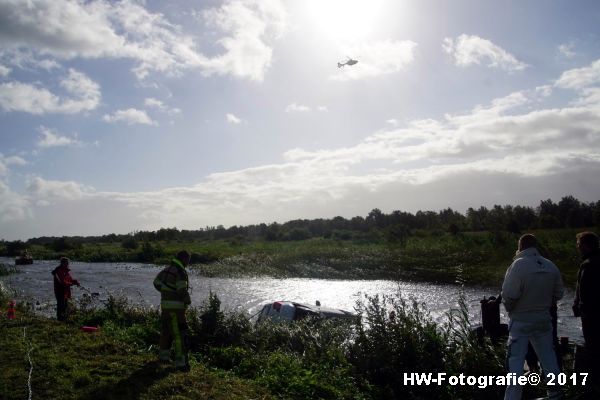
pixel 346 19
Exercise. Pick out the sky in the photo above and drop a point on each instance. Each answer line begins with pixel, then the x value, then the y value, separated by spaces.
pixel 118 116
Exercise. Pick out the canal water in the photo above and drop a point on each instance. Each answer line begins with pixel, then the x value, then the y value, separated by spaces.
pixel 33 283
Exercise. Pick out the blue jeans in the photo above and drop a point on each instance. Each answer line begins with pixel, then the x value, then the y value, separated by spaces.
pixel 540 335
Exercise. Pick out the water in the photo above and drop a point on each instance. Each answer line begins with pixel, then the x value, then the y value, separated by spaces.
pixel 134 281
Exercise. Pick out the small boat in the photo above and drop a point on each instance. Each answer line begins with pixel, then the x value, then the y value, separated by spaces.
pixel 23 260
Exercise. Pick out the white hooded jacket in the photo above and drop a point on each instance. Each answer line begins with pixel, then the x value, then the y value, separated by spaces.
pixel 531 286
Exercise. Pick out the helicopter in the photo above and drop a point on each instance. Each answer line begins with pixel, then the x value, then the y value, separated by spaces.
pixel 348 62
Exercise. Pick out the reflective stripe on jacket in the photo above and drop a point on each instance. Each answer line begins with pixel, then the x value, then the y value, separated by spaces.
pixel 173 285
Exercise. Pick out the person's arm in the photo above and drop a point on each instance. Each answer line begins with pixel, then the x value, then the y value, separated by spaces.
pixel 182 285
pixel 559 288
pixel 67 280
pixel 511 288
pixel 575 307
pixel 587 291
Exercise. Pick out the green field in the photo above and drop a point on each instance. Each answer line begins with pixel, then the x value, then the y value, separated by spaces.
pixel 231 358
pixel 473 258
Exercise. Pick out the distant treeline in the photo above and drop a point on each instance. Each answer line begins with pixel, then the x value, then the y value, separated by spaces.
pixel 569 212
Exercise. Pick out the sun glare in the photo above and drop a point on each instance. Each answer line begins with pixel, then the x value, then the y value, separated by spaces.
pixel 345 19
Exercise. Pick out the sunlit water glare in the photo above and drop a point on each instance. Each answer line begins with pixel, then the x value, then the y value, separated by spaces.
pixel 134 281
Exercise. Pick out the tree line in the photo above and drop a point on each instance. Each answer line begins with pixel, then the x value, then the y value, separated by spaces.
pixel 569 212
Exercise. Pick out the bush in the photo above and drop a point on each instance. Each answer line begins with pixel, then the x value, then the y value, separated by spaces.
pixel 130 243
pixel 398 337
pixel 149 253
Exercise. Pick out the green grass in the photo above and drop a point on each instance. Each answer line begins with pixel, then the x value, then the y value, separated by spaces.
pixel 70 364
pixel 6 269
pixel 234 359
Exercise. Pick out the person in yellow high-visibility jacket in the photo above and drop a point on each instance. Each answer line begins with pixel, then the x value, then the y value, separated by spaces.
pixel 173 284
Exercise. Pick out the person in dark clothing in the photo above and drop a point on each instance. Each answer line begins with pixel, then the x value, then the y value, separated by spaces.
pixel 62 287
pixel 587 306
pixel 173 284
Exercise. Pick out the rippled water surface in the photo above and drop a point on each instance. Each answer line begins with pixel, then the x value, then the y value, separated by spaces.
pixel 247 294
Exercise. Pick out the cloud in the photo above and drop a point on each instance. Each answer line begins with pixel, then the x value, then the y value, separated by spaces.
pixel 232 119
pixel 4 71
pixel 13 207
pixel 301 108
pixel 96 29
pixel 5 162
pixel 470 49
pixel 248 26
pixel 65 30
pixel 129 116
pixel 52 139
pixel 81 94
pixel 42 189
pixel 579 78
pixel 511 150
pixel 13 160
pixel 374 59
pixel 297 108
pixel 159 105
pixel 567 50
pixel 588 97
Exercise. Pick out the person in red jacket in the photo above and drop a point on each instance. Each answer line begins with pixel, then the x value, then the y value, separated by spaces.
pixel 62 287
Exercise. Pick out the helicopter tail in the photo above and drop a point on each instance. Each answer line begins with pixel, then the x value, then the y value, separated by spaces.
pixel 340 65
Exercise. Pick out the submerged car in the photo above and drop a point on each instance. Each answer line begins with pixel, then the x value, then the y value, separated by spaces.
pixel 287 311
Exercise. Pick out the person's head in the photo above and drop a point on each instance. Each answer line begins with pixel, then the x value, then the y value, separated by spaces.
pixel 587 242
pixel 64 262
pixel 527 241
pixel 184 256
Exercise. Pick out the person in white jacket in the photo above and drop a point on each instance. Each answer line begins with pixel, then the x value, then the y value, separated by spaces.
pixel 531 286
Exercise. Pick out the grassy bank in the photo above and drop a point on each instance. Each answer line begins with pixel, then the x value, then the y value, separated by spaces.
pixel 479 258
pixel 234 359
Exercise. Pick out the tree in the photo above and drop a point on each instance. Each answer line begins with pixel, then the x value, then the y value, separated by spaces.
pixel 376 218
pixel 130 243
pixel 398 233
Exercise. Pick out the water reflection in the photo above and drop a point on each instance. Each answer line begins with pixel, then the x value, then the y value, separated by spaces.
pixel 134 281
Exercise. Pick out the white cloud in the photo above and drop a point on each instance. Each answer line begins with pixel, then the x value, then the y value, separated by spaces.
pixel 232 119
pixel 579 78
pixel 589 97
pixel 567 50
pixel 249 26
pixel 13 207
pixel 13 160
pixel 52 139
pixel 470 49
pixel 297 108
pixel 512 145
pixel 66 29
pixel 301 108
pixel 129 116
pixel 4 71
pixel 82 94
pixel 159 105
pixel 376 59
pixel 44 189
pixel 152 102
pixel 5 162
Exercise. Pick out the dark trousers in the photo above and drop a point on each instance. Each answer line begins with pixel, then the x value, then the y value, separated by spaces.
pixel 61 308
pixel 174 330
pixel 587 360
